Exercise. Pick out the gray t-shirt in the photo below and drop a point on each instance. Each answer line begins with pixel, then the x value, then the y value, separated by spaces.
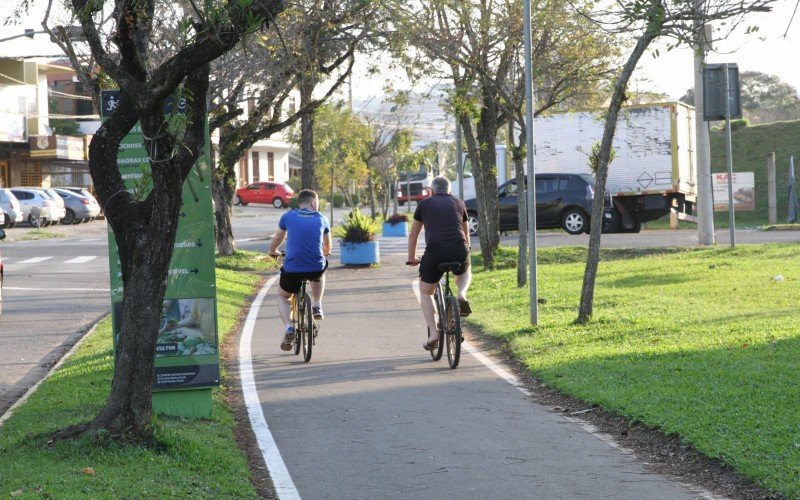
pixel 442 215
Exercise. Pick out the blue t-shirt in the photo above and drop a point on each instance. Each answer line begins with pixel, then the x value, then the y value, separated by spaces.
pixel 304 230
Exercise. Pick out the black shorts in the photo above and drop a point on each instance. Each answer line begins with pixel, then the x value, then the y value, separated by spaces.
pixel 290 282
pixel 434 256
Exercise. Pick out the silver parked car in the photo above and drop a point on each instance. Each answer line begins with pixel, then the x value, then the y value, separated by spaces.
pixel 10 208
pixel 60 210
pixel 36 205
pixel 88 194
pixel 80 208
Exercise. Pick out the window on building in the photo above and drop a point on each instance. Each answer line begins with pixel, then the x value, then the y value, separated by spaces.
pixel 271 166
pixel 256 176
pixel 31 174
pixel 243 171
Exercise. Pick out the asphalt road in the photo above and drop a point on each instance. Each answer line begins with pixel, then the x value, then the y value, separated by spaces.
pixel 54 290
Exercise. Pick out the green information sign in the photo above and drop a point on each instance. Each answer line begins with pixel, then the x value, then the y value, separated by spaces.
pixel 187 353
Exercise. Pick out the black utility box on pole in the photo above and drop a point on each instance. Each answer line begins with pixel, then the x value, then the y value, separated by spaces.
pixel 714 92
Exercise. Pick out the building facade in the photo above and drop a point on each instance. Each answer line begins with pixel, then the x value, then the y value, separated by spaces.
pixel 30 153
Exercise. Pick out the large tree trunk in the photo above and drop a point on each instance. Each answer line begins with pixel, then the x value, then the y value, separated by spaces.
pixel 145 232
pixel 483 156
pixel 309 180
pixel 223 191
pixel 518 156
pixel 617 98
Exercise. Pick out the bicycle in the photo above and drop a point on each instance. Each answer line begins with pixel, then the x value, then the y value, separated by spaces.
pixel 305 326
pixel 448 319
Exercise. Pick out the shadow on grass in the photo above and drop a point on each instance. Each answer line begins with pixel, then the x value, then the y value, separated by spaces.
pixel 738 402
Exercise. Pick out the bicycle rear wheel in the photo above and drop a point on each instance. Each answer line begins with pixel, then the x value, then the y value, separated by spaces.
pixel 308 331
pixel 438 302
pixel 299 320
pixel 453 332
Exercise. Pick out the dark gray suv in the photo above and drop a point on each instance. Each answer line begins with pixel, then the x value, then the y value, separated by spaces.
pixel 562 200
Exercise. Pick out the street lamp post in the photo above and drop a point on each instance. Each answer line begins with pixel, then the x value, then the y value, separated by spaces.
pixel 28 32
pixel 534 299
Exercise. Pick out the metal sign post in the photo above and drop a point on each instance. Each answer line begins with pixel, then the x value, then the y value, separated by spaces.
pixel 729 154
pixel 531 179
pixel 722 101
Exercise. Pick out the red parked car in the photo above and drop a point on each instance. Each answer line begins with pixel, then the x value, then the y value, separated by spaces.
pixel 276 194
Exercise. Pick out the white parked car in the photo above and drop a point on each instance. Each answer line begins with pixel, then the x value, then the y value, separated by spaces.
pixel 10 208
pixel 36 205
pixel 60 210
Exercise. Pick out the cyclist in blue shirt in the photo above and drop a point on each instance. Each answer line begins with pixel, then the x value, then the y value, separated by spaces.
pixel 308 241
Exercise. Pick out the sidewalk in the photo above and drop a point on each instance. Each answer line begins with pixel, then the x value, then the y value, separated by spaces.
pixel 371 416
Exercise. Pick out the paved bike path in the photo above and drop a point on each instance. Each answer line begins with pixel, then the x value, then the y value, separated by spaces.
pixel 371 416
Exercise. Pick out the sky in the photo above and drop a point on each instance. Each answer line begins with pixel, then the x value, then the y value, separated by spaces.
pixel 767 51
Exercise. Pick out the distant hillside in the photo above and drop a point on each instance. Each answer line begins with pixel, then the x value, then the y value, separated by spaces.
pixel 751 145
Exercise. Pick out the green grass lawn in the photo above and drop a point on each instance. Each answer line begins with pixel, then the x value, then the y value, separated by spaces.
pixel 194 458
pixel 703 343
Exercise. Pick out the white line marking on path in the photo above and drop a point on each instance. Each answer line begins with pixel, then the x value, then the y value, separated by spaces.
pixel 500 372
pixel 81 260
pixel 284 486
pixel 591 429
pixel 34 260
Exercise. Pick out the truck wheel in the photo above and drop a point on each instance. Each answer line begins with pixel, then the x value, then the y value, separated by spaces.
pixel 611 225
pixel 637 227
pixel 472 223
pixel 574 221
pixel 401 203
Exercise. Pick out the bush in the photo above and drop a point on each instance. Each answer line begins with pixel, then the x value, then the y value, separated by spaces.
pixel 741 123
pixel 356 228
pixel 356 200
pixel 296 183
pixel 397 219
pixel 337 200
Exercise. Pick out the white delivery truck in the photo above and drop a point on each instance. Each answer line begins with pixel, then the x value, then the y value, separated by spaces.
pixel 653 170
pixel 503 173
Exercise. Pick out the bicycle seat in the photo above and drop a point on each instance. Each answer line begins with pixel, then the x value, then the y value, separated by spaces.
pixel 449 266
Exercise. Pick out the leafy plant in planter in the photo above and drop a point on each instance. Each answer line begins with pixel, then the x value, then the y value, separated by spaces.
pixel 356 228
pixel 357 235
pixel 396 226
pixel 397 219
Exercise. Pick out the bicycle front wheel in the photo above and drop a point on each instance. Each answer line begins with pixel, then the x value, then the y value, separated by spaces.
pixel 308 331
pixel 453 332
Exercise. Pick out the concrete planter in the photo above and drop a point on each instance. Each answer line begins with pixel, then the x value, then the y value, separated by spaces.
pixel 359 253
pixel 395 230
